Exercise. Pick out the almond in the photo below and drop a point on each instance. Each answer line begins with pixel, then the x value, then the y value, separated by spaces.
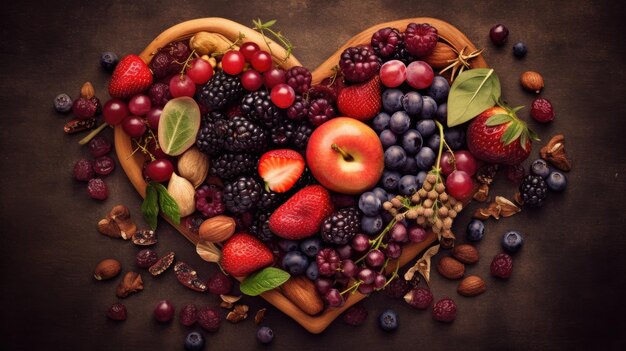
pixel 107 269
pixel 442 56
pixel 450 268
pixel 532 81
pixel 466 253
pixel 472 285
pixel 302 292
pixel 217 229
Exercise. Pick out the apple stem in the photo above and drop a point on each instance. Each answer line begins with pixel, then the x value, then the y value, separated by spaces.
pixel 346 156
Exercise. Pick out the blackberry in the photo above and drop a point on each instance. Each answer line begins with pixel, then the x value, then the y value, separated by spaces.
pixel 242 194
pixel 420 39
pixel 359 64
pixel 228 166
pixel 301 136
pixel 209 201
pixel 305 179
pixel 282 134
pixel 299 78
pixel 212 133
pixel 244 136
pixel 341 226
pixel 320 111
pixel 386 41
pixel 261 225
pixel 270 200
pixel 403 55
pixel 220 91
pixel 258 107
pixel 533 190
pixel 299 110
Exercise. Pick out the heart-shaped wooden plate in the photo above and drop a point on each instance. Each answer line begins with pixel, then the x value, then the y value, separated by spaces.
pixel 133 163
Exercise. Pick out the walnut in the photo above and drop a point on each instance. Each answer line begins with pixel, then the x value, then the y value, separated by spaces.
pixel 131 283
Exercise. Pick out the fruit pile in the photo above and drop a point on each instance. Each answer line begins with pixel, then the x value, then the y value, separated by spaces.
pixel 329 181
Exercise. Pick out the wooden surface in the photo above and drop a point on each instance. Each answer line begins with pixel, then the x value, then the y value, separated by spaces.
pixel 567 287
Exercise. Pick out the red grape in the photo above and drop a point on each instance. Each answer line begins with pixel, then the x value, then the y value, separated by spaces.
pixel 248 49
pixel 164 311
pixel 134 126
pixel 366 275
pixel 155 150
pixel 114 111
pixel 153 117
pixel 233 62
pixel 182 86
pixel 460 185
pixel 447 163
pixel 199 71
pixel 419 74
pixel 261 61
pixel 392 73
pixel 375 258
pixel 379 281
pixel 466 162
pixel 417 234
pixel 334 298
pixel 251 80
pixel 323 285
pixel 160 170
pixel 283 95
pixel 139 104
pixel 273 77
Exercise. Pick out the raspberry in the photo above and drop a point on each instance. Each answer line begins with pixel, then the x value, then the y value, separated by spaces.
pixel 188 315
pixel 502 266
pixel 420 39
pixel 327 261
pixel 84 108
pixel 193 222
pixel 209 318
pixel 159 94
pixel 299 78
pixel 355 315
pixel 219 284
pixel 299 110
pixel 359 64
pixel 162 65
pixel 209 201
pixel 97 189
pixel 444 310
pixel 419 298
pixel 515 173
pixel 83 170
pixel 397 288
pixel 323 91
pixel 117 312
pixel 99 146
pixel 542 110
pixel 320 111
pixel 386 41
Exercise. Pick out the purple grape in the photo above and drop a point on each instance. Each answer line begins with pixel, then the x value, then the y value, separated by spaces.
pixel 366 289
pixel 366 275
pixel 417 234
pixel 379 281
pixel 399 233
pixel 345 251
pixel 333 298
pixel 375 258
pixel 323 285
pixel 393 250
pixel 348 268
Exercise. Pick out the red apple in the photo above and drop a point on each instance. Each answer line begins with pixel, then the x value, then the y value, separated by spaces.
pixel 345 156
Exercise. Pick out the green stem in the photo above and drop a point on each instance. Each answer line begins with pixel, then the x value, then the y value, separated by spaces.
pixel 378 240
pixel 93 133
pixel 442 140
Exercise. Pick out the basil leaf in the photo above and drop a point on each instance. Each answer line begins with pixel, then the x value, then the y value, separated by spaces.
pixel 150 206
pixel 264 280
pixel 498 119
pixel 178 126
pixel 169 207
pixel 472 92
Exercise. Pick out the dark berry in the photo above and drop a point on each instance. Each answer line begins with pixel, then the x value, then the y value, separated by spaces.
pixel 108 61
pixel 221 90
pixel 84 108
pixel 299 110
pixel 475 230
pixel 194 341
pixel 388 320
pixel 386 41
pixel 159 94
pixel 83 170
pixel 209 318
pixel 97 189
pixel 397 288
pixel 419 298
pixel 556 181
pixel 320 111
pixel 541 110
pixel 103 165
pixel 502 266
pixel 302 135
pixel 311 246
pixel 512 241
pixel 146 258
pixel 261 225
pixel 540 167
pixel 244 136
pixel 355 315
pixel 341 226
pixel 117 312
pixel 164 311
pixel 498 34
pixel 228 166
pixel 99 146
pixel 444 310
pixel 520 50
pixel 282 133
pixel 242 194
pixel 188 315
pixel 295 262
pixel 533 190
pixel 359 64
pixel 212 134
pixel 163 65
pixel 265 335
pixel 209 201
pixel 220 284
pixel 299 78
pixel 63 103
pixel 325 90
pixel 515 173
pixel 327 261
pixel 420 39
pixel 259 108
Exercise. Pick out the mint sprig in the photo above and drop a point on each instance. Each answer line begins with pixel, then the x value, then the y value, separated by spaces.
pixel 157 198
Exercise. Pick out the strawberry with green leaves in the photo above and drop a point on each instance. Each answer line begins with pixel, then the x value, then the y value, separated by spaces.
pixel 131 76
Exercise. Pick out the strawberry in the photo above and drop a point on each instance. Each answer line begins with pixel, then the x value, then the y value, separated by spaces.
pixel 301 215
pixel 243 254
pixel 281 169
pixel 360 101
pixel 498 136
pixel 131 76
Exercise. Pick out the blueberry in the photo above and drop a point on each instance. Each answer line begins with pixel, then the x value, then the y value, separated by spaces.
pixel 512 241
pixel 108 61
pixel 433 142
pixel 439 89
pixel 540 167
pixel 407 185
pixel 412 141
pixel 475 230
pixel 420 178
pixel 426 127
pixel 425 159
pixel 295 262
pixel 380 193
pixel 520 50
pixel 455 137
pixel 429 108
pixel 442 113
pixel 390 181
pixel 371 225
pixel 312 272
pixel 311 246
pixel 194 341
pixel 381 122
pixel 265 335
pixel 288 245
pixel 556 181
pixel 410 166
pixel 392 100
pixel 400 122
pixel 388 138
pixel 63 103
pixel 395 156
pixel 388 320
pixel 369 204
pixel 412 103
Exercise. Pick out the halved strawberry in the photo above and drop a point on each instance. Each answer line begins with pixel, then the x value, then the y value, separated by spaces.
pixel 281 169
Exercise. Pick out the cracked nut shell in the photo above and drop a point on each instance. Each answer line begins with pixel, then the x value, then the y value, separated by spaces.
pixel 130 284
pixel 107 269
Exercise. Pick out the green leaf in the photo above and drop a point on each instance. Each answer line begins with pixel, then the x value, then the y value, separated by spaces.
pixel 169 207
pixel 269 23
pixel 178 126
pixel 264 280
pixel 515 109
pixel 523 140
pixel 533 135
pixel 512 133
pixel 472 92
pixel 150 206
pixel 498 119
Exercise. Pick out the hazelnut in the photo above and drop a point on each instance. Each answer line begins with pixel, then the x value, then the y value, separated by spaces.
pixel 131 283
pixel 532 81
pixel 466 253
pixel 472 285
pixel 107 269
pixel 450 268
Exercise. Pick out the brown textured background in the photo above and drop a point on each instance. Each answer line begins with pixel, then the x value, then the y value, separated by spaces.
pixel 568 283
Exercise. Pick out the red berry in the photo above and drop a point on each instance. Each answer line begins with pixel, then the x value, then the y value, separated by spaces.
pixel 397 288
pixel 164 311
pixel 114 111
pixel 465 161
pixel 283 95
pixel 182 85
pixel 160 170
pixel 261 61
pixel 355 315
pixel 153 117
pixel 248 49
pixel 420 39
pixel 273 77
pixel 97 189
pixel 233 62
pixel 251 80
pixel 542 110
pixel 83 170
pixel 134 126
pixel 444 310
pixel 199 71
pixel 188 315
pixel 220 284
pixel 84 108
pixel 117 312
pixel 419 298
pixel 209 318
pixel 103 165
pixel 139 104
pixel 99 146
pixel 498 34
pixel 460 185
pixel 502 266
pixel 146 258
pixel 515 173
